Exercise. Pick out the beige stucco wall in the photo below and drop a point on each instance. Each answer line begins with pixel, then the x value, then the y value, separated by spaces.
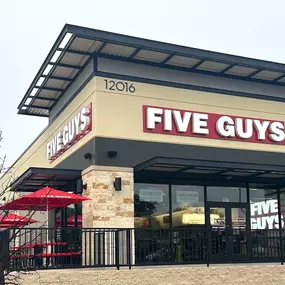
pixel 119 115
pixel 124 118
pixel 180 275
pixel 36 155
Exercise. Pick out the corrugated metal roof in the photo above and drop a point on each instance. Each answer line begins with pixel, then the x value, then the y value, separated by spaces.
pixel 65 72
pixel 153 56
pixel 183 61
pixel 86 45
pixel 55 83
pixel 240 71
pixel 74 59
pixel 118 50
pixel 75 45
pixel 212 66
pixel 49 94
pixel 267 75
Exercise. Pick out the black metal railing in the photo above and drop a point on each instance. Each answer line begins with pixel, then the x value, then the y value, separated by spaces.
pixel 41 248
pixel 4 254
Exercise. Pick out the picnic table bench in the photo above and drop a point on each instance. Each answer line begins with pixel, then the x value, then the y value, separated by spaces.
pixel 33 245
pixel 36 253
pixel 43 255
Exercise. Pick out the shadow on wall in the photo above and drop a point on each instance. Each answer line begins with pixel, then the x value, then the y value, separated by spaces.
pixel 77 160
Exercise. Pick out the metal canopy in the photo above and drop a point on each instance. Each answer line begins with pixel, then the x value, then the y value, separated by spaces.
pixel 160 168
pixel 75 46
pixel 36 178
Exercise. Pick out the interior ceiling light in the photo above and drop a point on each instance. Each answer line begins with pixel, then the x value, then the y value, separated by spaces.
pixel 65 40
pixel 56 56
pixel 34 92
pixel 24 108
pixel 47 70
pixel 40 81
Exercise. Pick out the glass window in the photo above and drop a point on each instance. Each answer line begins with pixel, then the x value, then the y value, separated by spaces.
pixel 226 194
pixel 282 207
pixel 238 218
pixel 218 217
pixel 187 205
pixel 263 208
pixel 151 206
pixel 66 216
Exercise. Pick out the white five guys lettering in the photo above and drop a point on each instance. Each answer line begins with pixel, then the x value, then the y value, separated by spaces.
pixel 225 126
pixel 264 215
pixel 71 132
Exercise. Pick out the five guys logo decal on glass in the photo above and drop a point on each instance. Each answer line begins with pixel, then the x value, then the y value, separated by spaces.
pixel 79 126
pixel 214 126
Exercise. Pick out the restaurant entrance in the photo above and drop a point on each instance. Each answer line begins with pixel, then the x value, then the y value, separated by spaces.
pixel 229 224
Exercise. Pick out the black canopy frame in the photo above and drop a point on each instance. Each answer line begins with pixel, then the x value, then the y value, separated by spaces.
pixel 36 178
pixel 206 172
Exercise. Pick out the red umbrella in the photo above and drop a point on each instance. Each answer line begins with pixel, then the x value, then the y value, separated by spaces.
pixel 6 226
pixel 45 199
pixel 14 220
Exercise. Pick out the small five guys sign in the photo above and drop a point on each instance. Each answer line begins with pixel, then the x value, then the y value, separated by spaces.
pixel 214 126
pixel 79 126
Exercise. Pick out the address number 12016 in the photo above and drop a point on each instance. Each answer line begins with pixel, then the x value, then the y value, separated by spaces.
pixel 119 86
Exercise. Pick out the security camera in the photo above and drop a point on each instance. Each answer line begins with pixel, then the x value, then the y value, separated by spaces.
pixel 88 155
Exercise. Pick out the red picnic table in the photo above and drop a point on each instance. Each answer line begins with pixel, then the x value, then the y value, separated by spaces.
pixel 43 255
pixel 32 245
pixel 18 249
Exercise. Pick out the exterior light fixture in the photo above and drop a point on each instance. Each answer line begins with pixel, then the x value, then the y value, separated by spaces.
pixel 80 187
pixel 112 153
pixel 118 184
pixel 88 155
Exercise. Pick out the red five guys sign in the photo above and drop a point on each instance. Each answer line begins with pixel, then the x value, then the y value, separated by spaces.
pixel 75 129
pixel 160 120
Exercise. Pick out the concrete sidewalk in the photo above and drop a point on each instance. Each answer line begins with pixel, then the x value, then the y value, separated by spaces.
pixel 165 275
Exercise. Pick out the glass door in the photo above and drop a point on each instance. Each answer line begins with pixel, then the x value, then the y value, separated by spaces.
pixel 228 223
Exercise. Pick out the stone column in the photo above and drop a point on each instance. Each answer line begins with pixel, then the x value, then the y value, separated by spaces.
pixel 107 209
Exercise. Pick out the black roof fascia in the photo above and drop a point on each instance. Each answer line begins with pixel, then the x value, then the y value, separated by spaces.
pixel 172 48
pixel 43 66
pixel 141 43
